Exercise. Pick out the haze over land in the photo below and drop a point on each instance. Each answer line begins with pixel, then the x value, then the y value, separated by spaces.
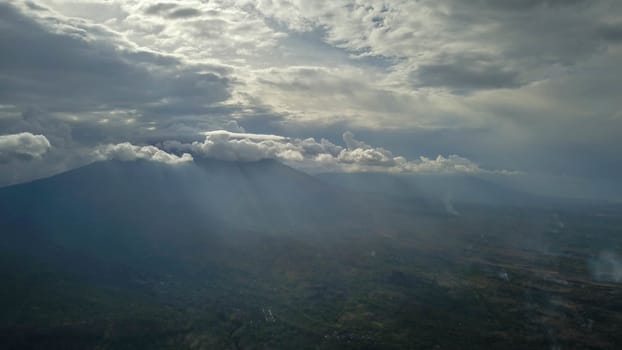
pixel 251 255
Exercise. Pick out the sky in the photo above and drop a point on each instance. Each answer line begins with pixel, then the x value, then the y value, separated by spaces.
pixel 528 89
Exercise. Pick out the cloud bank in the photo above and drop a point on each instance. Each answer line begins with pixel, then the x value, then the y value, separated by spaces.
pixel 127 152
pixel 23 146
pixel 320 156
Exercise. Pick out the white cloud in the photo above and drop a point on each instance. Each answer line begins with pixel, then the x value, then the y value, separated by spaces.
pixel 232 146
pixel 127 152
pixel 319 156
pixel 23 145
pixel 451 164
pixel 242 135
pixel 198 31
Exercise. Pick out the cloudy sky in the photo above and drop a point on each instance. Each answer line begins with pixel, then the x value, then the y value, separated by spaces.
pixel 503 87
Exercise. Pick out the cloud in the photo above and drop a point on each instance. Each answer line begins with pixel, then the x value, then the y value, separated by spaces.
pixel 231 146
pixel 171 10
pixel 127 152
pixel 351 143
pixel 607 267
pixel 425 31
pixel 343 93
pixel 23 146
pixel 514 84
pixel 360 153
pixel 159 8
pixel 319 156
pixel 465 76
pixel 197 30
pixel 184 13
pixel 68 65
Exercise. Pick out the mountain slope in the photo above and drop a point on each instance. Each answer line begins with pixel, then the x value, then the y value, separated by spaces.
pixel 206 193
pixel 135 212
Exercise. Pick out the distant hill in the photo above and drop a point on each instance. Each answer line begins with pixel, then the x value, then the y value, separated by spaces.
pixel 435 190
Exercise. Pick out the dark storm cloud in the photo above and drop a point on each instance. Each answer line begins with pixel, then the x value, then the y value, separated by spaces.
pixel 526 4
pixel 184 13
pixel 159 8
pixel 35 7
pixel 539 29
pixel 171 10
pixel 465 76
pixel 507 44
pixel 611 32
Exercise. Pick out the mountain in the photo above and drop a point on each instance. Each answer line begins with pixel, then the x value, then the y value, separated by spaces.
pixel 208 193
pixel 145 215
